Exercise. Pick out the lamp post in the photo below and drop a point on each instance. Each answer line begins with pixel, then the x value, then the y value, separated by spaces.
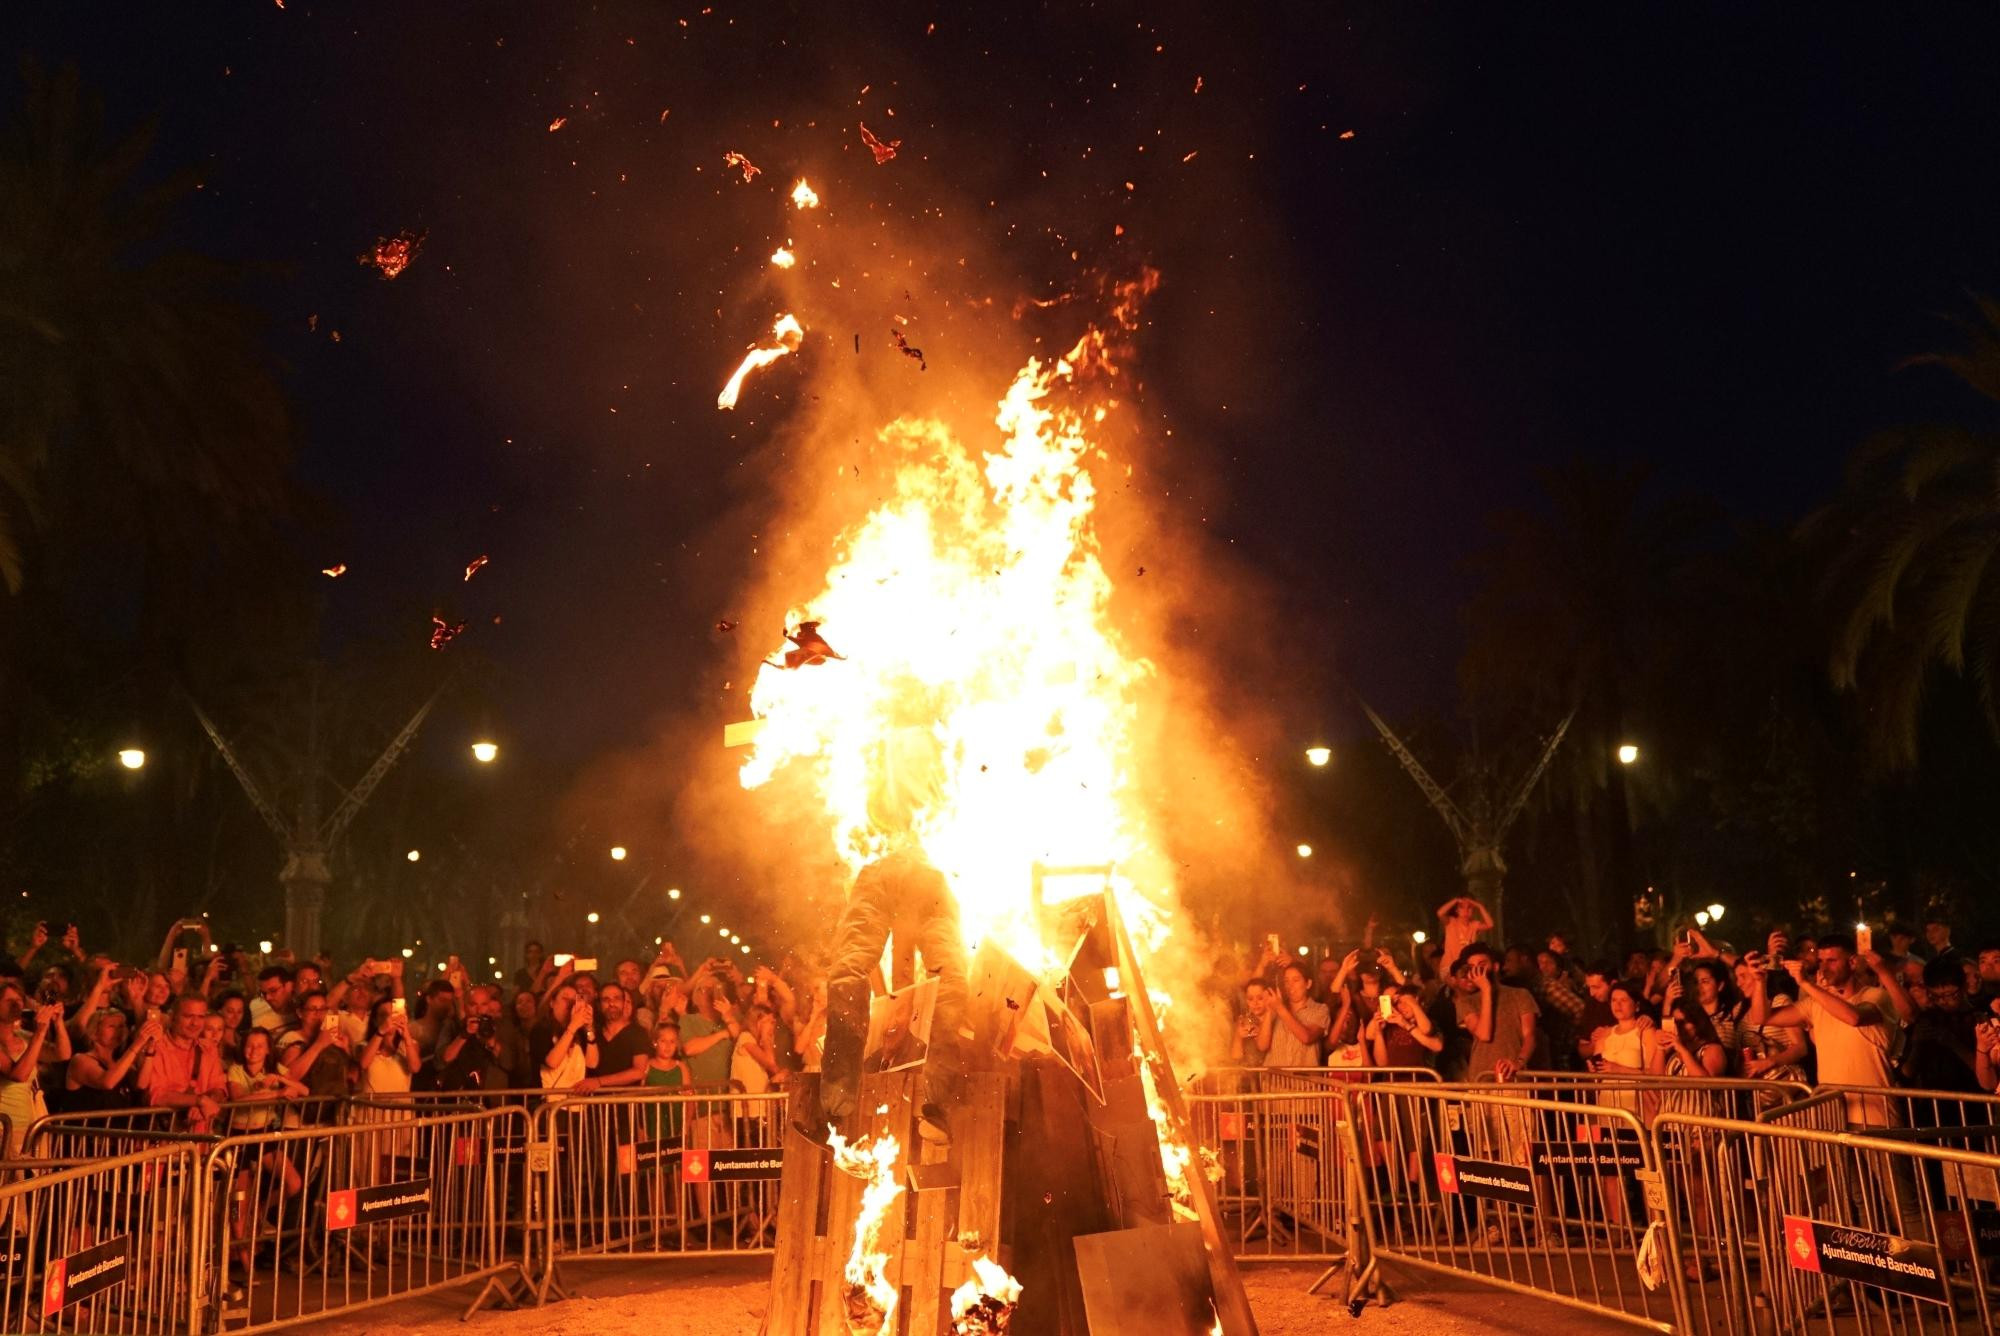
pixel 485 751
pixel 1318 756
pixel 132 758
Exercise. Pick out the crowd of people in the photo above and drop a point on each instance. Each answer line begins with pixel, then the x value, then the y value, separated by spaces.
pixel 1824 1009
pixel 240 1043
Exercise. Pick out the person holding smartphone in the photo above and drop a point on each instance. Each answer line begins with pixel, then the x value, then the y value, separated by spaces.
pixel 1250 1042
pixel 1401 1034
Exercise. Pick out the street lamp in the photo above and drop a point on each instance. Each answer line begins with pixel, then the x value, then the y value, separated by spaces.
pixel 408 953
pixel 1715 913
pixel 1319 755
pixel 484 751
pixel 706 920
pixel 1627 753
pixel 1305 851
pixel 673 893
pixel 264 947
pixel 591 917
pixel 617 853
pixel 722 932
pixel 1701 918
pixel 1420 937
pixel 414 855
pixel 132 758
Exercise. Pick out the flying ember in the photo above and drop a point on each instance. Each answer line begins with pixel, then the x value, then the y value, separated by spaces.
pixel 783 258
pixel 882 151
pixel 737 160
pixel 787 333
pixel 804 196
pixel 392 255
pixel 472 569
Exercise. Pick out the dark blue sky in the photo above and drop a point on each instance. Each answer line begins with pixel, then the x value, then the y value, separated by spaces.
pixel 1696 235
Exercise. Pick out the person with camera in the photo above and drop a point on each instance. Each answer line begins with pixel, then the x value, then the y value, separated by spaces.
pixel 184 1073
pixel 488 1053
pixel 318 1054
pixel 24 1047
pixel 562 1046
pixel 1250 1043
pixel 106 1074
pixel 1402 1034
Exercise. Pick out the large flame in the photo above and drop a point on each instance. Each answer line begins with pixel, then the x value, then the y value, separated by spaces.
pixel 871 1298
pixel 984 1305
pixel 786 334
pixel 972 603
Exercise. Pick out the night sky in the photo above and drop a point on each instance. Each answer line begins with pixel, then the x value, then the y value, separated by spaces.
pixel 1685 235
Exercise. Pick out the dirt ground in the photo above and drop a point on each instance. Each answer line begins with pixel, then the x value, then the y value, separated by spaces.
pixel 726 1298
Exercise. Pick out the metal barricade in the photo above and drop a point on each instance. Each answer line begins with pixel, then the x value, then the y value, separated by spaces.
pixel 107 1245
pixel 1544 1197
pixel 1967 1121
pixel 1269 1139
pixel 317 1221
pixel 1649 1096
pixel 653 1173
pixel 75 1136
pixel 1855 1234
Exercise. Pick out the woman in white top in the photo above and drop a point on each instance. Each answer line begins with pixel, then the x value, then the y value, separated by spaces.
pixel 754 1063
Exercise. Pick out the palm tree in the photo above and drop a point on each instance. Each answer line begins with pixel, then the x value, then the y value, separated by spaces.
pixel 1911 576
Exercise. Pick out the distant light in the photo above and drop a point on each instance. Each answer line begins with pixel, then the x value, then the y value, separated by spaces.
pixel 659 941
pixel 673 893
pixel 722 932
pixel 493 960
pixel 264 947
pixel 1627 753
pixel 1305 851
pixel 591 917
pixel 1319 755
pixel 1861 927
pixel 1303 951
pixel 617 853
pixel 132 758
pixel 746 950
pixel 414 855
pixel 498 974
pixel 1701 918
pixel 734 940
pixel 1419 937
pixel 484 751
pixel 440 967
pixel 1715 913
pixel 407 953
pixel 705 919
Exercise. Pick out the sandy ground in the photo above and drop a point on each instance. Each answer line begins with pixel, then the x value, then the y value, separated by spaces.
pixel 726 1298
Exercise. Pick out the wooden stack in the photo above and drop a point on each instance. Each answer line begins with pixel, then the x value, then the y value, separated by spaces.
pixel 1064 1191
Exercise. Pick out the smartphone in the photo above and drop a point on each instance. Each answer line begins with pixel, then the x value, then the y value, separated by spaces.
pixel 562 958
pixel 1271 938
pixel 586 965
pixel 181 958
pixel 1388 1005
pixel 397 1005
pixel 1864 938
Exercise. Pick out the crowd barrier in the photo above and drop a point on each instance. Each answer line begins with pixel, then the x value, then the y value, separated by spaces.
pixel 1271 1149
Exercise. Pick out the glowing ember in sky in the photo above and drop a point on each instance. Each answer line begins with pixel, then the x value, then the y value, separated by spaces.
pixel 558 123
pixel 883 152
pixel 333 572
pixel 444 632
pixel 783 258
pixel 804 196
pixel 743 164
pixel 477 562
pixel 392 255
pixel 787 333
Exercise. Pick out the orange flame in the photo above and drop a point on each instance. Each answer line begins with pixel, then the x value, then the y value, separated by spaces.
pixel 984 1304
pixel 783 258
pixel 788 332
pixel 867 1270
pixel 804 196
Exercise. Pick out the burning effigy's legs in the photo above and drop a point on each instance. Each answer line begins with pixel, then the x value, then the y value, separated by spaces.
pixel 899 892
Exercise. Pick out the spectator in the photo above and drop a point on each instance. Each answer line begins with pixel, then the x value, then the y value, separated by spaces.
pixel 1902 942
pixel 1630 1045
pixel 1689 1045
pixel 1251 1041
pixel 1462 919
pixel 1771 1052
pixel 561 1046
pixel 1716 997
pixel 1301 1023
pixel 254 1078
pixel 622 1047
pixel 1937 933
pixel 1499 1017
pixel 317 1054
pixel 105 1075
pixel 1404 1037
pixel 524 1009
pixel 1940 1050
pixel 1987 1058
pixel 1563 1003
pixel 709 1031
pixel 390 1057
pixel 1597 1013
pixel 184 1074
pixel 436 1020
pixel 1852 1024
pixel 528 979
pixel 1988 964
pixel 666 1069
pixel 272 1008
pixel 21 1097
pixel 234 1009
pixel 753 1063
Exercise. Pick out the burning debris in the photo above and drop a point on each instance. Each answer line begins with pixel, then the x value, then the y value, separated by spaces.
pixel 783 258
pixel 804 196
pixel 392 255
pixel 724 625
pixel 444 632
pixel 812 648
pixel 984 1305
pixel 788 333
pixel 334 572
pixel 903 347
pixel 558 123
pixel 868 1297
pixel 749 169
pixel 882 151
pixel 477 563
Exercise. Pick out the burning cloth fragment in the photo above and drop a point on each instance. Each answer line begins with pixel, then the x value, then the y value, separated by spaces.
pixel 812 648
pixel 472 568
pixel 903 347
pixel 787 334
pixel 984 1305
pixel 882 151
pixel 444 632
pixel 742 164
pixel 392 255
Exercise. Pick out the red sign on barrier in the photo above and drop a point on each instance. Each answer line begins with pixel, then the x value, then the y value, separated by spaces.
pixel 74 1278
pixel 388 1201
pixel 1886 1261
pixel 1232 1127
pixel 731 1166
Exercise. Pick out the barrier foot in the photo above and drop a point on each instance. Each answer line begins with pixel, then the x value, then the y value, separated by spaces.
pixel 551 1282
pixel 511 1287
pixel 1325 1276
pixel 1366 1286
